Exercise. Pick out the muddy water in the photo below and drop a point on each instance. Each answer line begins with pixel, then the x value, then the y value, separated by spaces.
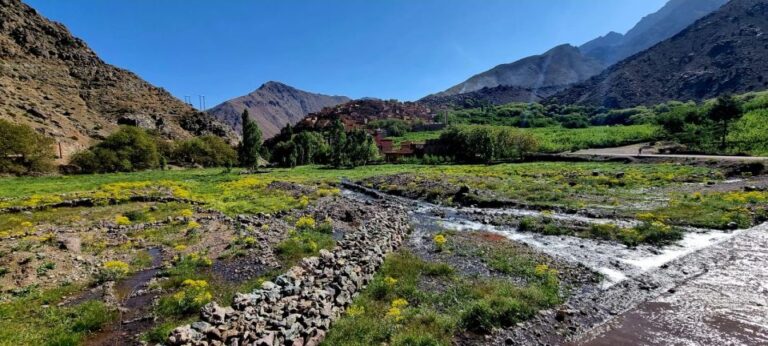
pixel 711 288
pixel 134 308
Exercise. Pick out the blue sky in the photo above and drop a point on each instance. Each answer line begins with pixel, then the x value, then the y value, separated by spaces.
pixel 403 49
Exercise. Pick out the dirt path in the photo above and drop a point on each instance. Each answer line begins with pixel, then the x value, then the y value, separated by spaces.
pixel 633 151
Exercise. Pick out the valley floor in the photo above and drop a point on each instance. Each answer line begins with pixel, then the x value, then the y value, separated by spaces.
pixel 513 253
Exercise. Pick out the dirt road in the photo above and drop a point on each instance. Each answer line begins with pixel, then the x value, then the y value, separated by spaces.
pixel 633 151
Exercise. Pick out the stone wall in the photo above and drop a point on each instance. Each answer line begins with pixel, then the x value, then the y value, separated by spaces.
pixel 299 307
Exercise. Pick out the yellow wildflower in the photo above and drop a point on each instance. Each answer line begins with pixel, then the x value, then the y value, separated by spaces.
pixel 122 220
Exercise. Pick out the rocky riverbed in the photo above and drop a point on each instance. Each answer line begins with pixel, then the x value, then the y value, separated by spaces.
pixel 705 289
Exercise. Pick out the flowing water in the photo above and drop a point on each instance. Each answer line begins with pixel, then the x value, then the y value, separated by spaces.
pixel 709 288
pixel 134 308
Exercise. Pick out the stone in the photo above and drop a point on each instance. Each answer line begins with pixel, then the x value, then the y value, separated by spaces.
pixel 202 327
pixel 268 285
pixel 72 244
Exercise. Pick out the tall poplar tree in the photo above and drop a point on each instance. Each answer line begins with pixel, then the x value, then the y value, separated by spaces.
pixel 251 144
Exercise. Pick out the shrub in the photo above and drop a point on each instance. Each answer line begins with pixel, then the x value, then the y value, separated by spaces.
pixel 122 220
pixel 24 151
pixel 128 149
pixel 207 151
pixel 45 267
pixel 137 216
pixel 440 241
pixel 112 271
pixel 306 223
pixel 192 296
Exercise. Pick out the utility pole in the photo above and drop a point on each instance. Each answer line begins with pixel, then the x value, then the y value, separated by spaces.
pixel 201 99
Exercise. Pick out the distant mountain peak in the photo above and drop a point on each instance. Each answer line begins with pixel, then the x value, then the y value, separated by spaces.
pixel 274 105
pixel 675 16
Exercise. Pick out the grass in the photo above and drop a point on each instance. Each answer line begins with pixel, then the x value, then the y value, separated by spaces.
pixel 554 184
pixel 722 210
pixel 36 320
pixel 303 243
pixel 559 139
pixel 652 230
pixel 400 308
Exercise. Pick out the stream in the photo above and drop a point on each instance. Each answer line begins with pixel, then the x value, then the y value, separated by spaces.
pixel 134 308
pixel 709 288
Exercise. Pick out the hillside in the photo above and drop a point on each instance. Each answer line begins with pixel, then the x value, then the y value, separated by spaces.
pixel 55 83
pixel 360 112
pixel 498 95
pixel 273 105
pixel 675 16
pixel 721 53
pixel 560 66
pixel 537 77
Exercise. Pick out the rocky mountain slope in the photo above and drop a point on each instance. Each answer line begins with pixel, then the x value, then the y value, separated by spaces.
pixel 724 52
pixel 499 95
pixel 560 66
pixel 53 82
pixel 675 16
pixel 273 105
pixel 534 78
pixel 358 113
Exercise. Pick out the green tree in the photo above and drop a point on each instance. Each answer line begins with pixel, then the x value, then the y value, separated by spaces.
pixel 251 144
pixel 129 149
pixel 24 151
pixel 724 111
pixel 337 140
pixel 207 151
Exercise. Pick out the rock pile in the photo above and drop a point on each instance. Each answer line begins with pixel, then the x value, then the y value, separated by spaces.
pixel 299 307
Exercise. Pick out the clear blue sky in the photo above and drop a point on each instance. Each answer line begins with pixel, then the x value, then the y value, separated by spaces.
pixel 402 49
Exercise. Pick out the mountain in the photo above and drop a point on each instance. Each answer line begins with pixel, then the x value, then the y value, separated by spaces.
pixel 675 16
pixel 273 105
pixel 534 78
pixel 558 67
pixel 724 52
pixel 53 82
pixel 499 95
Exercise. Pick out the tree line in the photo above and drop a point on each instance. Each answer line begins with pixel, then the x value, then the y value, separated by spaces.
pixel 334 146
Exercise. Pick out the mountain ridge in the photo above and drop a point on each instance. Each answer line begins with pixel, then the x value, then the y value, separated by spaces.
pixel 672 18
pixel 720 53
pixel 562 65
pixel 274 105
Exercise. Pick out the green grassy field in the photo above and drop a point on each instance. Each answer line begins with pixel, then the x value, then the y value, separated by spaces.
pixel 575 185
pixel 559 139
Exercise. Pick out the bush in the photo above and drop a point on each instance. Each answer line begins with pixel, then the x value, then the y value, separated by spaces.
pixel 207 151
pixel 192 296
pixel 112 271
pixel 575 122
pixel 24 151
pixel 129 149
